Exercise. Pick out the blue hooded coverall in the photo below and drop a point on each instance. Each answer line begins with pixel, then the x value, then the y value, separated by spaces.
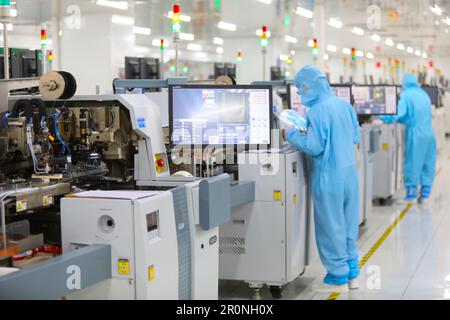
pixel 414 111
pixel 333 131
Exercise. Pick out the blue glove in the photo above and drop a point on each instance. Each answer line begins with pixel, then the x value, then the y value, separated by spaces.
pixel 387 119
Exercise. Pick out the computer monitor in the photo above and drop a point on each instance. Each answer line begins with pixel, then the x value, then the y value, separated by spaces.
pixel 220 115
pixel 295 101
pixel 375 100
pixel 132 68
pixel 342 91
pixel 433 93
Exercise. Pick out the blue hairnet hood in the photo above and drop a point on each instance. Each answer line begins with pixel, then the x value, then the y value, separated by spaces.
pixel 410 81
pixel 312 86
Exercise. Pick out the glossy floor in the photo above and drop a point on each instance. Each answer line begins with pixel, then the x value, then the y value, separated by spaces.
pixel 412 263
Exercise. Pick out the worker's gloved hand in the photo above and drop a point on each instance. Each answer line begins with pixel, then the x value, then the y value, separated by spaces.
pixel 387 119
pixel 292 134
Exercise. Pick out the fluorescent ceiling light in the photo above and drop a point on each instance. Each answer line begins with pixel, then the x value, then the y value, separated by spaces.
pixel 293 52
pixel 142 31
pixel 283 57
pixel 183 17
pixel 370 56
pixel 425 55
pixel 122 5
pixel 290 39
pixel 418 53
pixel 227 26
pixel 194 47
pixel 219 50
pixel 218 41
pixel 304 13
pixel 265 1
pixel 410 50
pixel 389 42
pixel 376 38
pixel 157 43
pixel 358 31
pixel 259 33
pixel 359 53
pixel 401 47
pixel 326 57
pixel 331 48
pixel 446 21
pixel 347 51
pixel 436 10
pixel 142 49
pixel 187 36
pixel 335 23
pixel 122 20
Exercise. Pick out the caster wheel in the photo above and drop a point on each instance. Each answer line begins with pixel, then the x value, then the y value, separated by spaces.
pixel 276 292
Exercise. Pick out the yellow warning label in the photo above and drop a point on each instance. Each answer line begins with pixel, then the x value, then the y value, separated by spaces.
pixel 277 195
pixel 385 147
pixel 295 199
pixel 151 273
pixel 21 205
pixel 124 266
pixel 47 200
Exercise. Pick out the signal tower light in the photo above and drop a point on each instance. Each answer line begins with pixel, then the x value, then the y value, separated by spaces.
pixel 264 38
pixel 161 46
pixel 315 50
pixel 240 56
pixel 176 21
pixel 353 54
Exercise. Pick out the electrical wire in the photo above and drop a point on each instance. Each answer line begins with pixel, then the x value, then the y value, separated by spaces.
pixel 63 143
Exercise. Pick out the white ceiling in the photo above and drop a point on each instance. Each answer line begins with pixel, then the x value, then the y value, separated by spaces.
pixel 415 25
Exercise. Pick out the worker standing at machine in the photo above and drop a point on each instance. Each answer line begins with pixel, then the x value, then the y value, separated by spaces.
pixel 333 131
pixel 414 111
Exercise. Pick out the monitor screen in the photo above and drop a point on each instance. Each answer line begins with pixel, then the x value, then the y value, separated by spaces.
pixel 219 115
pixel 433 93
pixel 375 100
pixel 343 92
pixel 295 101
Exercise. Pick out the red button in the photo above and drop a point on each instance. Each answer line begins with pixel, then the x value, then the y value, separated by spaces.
pixel 160 163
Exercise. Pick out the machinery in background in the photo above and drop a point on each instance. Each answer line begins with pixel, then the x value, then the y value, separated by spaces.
pixel 141 68
pixel 24 63
pixel 225 69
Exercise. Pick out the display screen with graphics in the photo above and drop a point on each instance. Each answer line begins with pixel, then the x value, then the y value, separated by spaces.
pixel 375 100
pixel 343 92
pixel 219 115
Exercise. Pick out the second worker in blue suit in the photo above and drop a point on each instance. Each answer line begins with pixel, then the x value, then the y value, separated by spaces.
pixel 414 111
pixel 333 132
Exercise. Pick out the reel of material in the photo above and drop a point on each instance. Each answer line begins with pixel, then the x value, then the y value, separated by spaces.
pixel 56 85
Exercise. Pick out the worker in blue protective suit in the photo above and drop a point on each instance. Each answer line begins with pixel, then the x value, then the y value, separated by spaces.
pixel 333 132
pixel 414 111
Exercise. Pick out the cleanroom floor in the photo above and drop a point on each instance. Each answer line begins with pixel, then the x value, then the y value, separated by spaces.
pixel 411 258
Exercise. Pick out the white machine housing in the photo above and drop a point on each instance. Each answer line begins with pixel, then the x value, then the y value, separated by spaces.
pixel 266 241
pixel 385 165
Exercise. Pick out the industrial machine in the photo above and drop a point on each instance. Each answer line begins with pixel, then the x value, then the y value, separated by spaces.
pixel 277 221
pixel 150 235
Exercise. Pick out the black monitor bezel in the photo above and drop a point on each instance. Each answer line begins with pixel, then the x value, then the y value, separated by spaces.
pixel 377 114
pixel 246 147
